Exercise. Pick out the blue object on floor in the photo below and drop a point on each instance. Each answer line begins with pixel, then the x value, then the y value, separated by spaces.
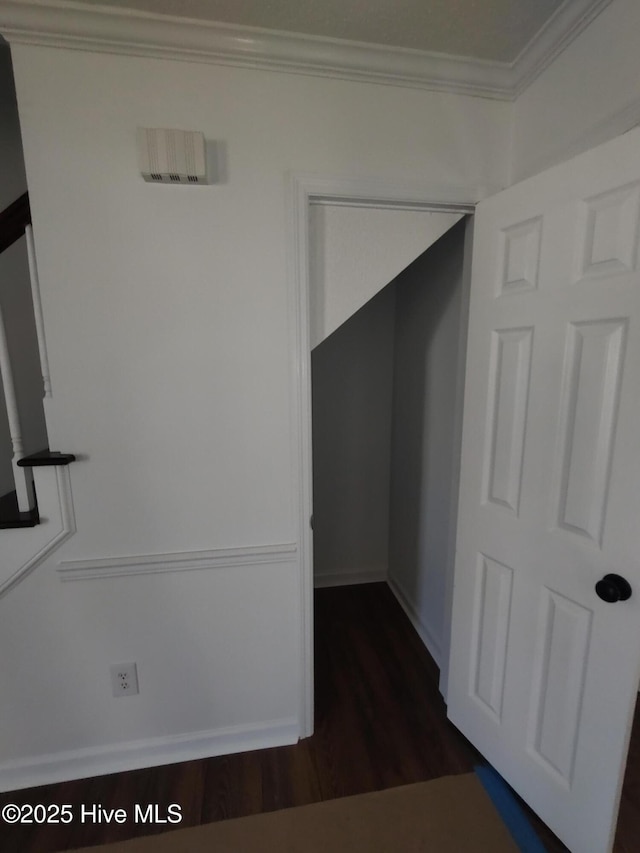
pixel 509 809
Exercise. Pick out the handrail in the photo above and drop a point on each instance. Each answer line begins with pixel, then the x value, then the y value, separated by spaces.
pixel 46 459
pixel 13 221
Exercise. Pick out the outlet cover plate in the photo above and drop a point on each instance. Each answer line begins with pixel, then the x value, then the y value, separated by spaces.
pixel 124 679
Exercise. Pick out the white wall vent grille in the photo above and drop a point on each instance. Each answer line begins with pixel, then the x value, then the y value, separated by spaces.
pixel 172 156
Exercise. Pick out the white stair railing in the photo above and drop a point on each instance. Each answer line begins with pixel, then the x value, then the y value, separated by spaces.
pixel 37 310
pixel 22 476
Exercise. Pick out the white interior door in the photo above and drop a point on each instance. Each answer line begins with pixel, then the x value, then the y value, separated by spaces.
pixel 543 672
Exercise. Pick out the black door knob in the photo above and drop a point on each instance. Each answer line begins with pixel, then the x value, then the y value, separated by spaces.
pixel 613 588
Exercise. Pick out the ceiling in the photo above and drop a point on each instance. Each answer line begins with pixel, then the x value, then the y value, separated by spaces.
pixel 495 30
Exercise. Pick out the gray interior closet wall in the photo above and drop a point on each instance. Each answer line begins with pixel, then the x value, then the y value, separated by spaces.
pixel 352 384
pixel 430 313
pixel 387 413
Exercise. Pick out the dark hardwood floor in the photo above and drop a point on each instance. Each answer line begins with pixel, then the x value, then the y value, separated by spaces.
pixel 380 722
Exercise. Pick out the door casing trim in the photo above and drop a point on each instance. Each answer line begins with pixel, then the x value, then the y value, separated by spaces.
pixel 304 189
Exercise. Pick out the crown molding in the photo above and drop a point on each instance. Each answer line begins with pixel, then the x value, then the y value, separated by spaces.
pixel 65 23
pixel 566 24
pixel 69 24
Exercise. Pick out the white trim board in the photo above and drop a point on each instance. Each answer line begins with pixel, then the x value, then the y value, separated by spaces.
pixel 349 578
pixel 373 192
pixel 144 564
pixel 151 752
pixel 303 190
pixel 433 647
pixel 27 547
pixel 69 24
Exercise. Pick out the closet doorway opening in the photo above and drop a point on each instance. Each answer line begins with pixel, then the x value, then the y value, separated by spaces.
pixel 388 303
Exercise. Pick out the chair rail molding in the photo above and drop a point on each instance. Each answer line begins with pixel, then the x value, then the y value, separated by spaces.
pixel 65 23
pixel 144 564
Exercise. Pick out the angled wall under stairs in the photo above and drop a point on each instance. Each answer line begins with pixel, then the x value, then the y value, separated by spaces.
pixel 356 251
pixel 25 546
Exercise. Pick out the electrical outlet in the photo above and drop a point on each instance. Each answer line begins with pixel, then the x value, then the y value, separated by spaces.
pixel 124 679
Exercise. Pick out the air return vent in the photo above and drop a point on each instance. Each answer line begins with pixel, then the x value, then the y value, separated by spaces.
pixel 172 156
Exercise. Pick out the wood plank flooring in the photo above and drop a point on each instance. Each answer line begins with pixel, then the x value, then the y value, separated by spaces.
pixel 380 722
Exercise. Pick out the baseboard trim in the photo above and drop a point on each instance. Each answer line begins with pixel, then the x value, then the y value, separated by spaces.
pixel 143 564
pixel 433 647
pixel 349 578
pixel 152 752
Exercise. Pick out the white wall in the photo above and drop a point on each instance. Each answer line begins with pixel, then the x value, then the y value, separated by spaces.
pixel 352 384
pixel 166 311
pixel 355 251
pixel 426 432
pixel 589 94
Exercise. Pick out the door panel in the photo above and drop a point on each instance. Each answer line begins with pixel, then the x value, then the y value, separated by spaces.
pixel 543 673
pixel 589 405
pixel 564 628
pixel 491 629
pixel 509 392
